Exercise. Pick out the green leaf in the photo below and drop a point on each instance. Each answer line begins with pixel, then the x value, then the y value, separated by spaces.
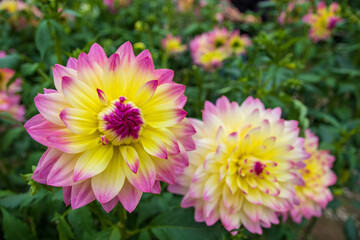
pixel 63 228
pixel 144 235
pixel 14 200
pixel 179 224
pixel 14 229
pixel 80 221
pixel 42 37
pixel 109 234
pixel 10 61
pixel 350 229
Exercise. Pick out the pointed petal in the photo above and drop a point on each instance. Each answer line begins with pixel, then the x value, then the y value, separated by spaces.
pixel 108 184
pixel 129 196
pixel 79 121
pixel 67 195
pixel 50 105
pixel 165 115
pixel 144 179
pixel 93 162
pixel 69 142
pixel 81 194
pixel 46 163
pixel 108 206
pixel 97 54
pixel 145 92
pixel 79 95
pixel 153 144
pixel 61 175
pixel 131 157
pixel 89 72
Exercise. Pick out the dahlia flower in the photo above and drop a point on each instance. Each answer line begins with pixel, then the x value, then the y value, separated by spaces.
pixel 323 21
pixel 212 48
pixel 9 97
pixel 245 165
pixel 317 174
pixel 172 44
pixel 114 127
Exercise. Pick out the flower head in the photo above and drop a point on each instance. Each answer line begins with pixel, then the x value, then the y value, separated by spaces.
pixel 211 49
pixel 317 174
pixel 323 21
pixel 114 127
pixel 172 44
pixel 244 167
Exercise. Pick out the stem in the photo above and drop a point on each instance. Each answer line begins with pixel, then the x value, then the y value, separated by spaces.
pixel 307 231
pixel 122 224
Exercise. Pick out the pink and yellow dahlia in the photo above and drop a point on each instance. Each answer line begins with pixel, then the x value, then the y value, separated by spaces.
pixel 323 21
pixel 245 165
pixel 315 194
pixel 172 44
pixel 114 127
pixel 285 16
pixel 210 49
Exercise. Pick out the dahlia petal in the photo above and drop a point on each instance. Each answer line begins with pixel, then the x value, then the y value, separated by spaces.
pixel 40 129
pixel 145 53
pixel 108 183
pixel 46 163
pixel 79 121
pixel 164 170
pixel 145 92
pixel 114 77
pixel 160 116
pixel 61 175
pixel 79 95
pixel 252 211
pixel 211 188
pixel 144 179
pixel 89 71
pixel 167 93
pixel 97 54
pixel 81 194
pixel 50 106
pixel 164 75
pixel 126 54
pixel 67 195
pixel 129 196
pixel 72 63
pixel 60 71
pixel 108 206
pixel 69 142
pixel 156 188
pixel 93 162
pixel 153 144
pixel 131 157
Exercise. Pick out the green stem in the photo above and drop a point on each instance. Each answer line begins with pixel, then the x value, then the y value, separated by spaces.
pixel 123 218
pixel 307 231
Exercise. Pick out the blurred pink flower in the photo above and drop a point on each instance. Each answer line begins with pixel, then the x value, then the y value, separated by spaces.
pixel 113 5
pixel 172 44
pixel 315 194
pixel 323 21
pixel 210 49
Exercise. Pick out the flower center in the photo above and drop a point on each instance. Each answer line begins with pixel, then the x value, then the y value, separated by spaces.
pixel 121 122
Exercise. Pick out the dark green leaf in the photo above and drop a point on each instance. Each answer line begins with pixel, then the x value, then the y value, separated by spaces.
pixel 14 229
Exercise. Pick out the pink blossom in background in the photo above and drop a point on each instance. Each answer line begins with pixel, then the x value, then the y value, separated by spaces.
pixel 210 49
pixel 245 166
pixel 323 21
pixel 113 5
pixel 9 97
pixel 286 16
pixel 317 174
pixel 172 44
pixel 114 127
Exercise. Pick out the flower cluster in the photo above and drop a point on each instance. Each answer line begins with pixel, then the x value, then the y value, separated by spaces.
pixel 21 13
pixel 212 48
pixel 317 174
pixel 245 166
pixel 114 127
pixel 172 44
pixel 9 97
pixel 323 21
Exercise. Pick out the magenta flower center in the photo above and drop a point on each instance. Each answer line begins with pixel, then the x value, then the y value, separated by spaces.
pixel 121 122
pixel 258 168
